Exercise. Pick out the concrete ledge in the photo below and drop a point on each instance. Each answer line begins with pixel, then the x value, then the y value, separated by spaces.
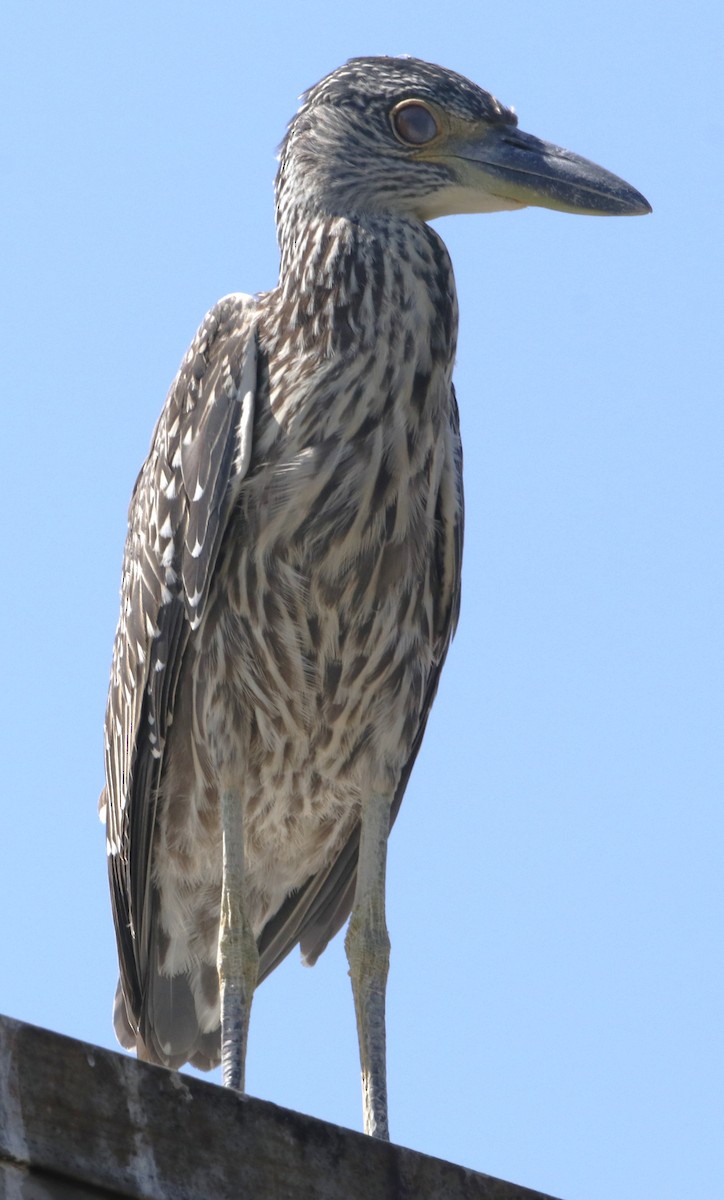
pixel 80 1123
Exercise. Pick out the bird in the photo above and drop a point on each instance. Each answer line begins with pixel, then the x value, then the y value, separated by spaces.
pixel 292 569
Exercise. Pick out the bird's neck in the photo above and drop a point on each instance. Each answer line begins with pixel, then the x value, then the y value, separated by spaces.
pixel 346 280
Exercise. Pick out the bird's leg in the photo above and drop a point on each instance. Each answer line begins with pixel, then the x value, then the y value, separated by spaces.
pixel 238 958
pixel 368 953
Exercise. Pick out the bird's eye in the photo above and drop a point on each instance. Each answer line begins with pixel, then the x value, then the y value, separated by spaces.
pixel 414 123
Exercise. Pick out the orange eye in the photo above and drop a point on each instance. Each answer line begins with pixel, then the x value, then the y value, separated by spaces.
pixel 414 123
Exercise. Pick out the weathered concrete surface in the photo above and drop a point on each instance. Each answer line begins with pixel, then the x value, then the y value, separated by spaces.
pixel 81 1123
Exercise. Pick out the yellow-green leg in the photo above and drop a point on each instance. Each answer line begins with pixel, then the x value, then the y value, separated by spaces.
pixel 238 959
pixel 368 953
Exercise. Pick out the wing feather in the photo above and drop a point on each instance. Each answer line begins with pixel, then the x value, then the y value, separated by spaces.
pixel 179 509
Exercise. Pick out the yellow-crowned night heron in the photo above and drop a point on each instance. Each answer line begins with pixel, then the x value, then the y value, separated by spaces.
pixel 291 577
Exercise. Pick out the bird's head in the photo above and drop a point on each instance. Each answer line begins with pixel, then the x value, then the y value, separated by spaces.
pixel 402 136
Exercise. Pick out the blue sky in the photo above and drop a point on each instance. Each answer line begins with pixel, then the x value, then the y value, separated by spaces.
pixel 555 893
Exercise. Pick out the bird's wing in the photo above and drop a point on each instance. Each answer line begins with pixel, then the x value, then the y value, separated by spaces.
pixel 199 454
pixel 314 914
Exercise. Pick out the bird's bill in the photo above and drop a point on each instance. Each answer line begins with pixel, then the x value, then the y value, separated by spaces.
pixel 508 168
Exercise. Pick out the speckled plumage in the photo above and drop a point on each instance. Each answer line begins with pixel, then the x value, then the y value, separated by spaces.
pixel 328 579
pixel 291 579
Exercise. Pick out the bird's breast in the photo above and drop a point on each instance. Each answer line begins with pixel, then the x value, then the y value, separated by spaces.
pixel 318 641
pixel 319 629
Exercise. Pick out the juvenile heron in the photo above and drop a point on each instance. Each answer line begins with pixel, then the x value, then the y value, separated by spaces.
pixel 291 579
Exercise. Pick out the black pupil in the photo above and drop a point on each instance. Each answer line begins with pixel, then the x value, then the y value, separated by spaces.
pixel 415 124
